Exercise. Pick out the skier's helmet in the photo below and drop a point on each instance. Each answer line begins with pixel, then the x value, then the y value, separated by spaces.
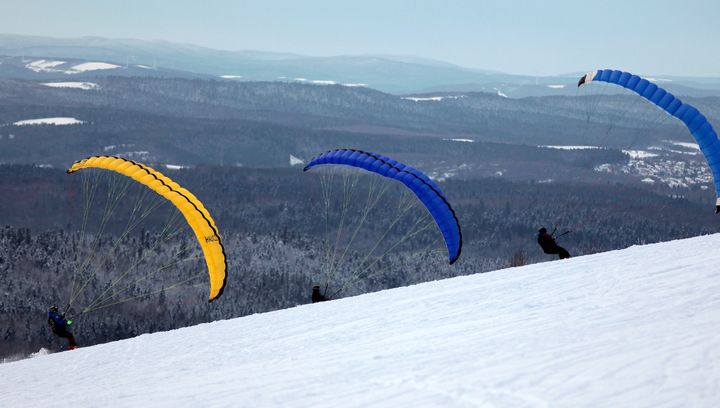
pixel 53 308
pixel 542 230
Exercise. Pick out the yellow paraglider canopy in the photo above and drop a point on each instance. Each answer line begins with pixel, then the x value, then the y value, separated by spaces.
pixel 196 215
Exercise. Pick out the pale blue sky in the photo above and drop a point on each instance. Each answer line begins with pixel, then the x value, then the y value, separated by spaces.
pixel 516 36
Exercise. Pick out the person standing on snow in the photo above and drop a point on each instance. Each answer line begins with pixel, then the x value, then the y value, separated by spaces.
pixel 548 244
pixel 317 296
pixel 59 326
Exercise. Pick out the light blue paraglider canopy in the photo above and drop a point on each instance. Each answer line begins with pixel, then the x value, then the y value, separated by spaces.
pixel 425 189
pixel 695 121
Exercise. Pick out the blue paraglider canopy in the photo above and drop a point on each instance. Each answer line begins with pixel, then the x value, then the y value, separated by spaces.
pixel 429 194
pixel 695 121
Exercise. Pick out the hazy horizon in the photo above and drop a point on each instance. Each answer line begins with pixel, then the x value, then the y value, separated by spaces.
pixel 517 37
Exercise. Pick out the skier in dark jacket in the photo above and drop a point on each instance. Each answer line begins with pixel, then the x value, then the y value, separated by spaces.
pixel 59 326
pixel 317 296
pixel 548 244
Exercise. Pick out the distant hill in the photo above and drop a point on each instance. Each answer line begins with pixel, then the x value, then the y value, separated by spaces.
pixel 190 122
pixel 183 121
pixel 388 73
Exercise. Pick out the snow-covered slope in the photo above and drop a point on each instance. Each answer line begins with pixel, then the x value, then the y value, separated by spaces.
pixel 638 327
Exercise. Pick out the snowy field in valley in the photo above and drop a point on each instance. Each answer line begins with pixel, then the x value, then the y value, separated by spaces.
pixel 57 66
pixel 431 98
pixel 44 65
pixel 572 147
pixel 461 140
pixel 638 327
pixel 91 66
pixel 59 121
pixel 86 86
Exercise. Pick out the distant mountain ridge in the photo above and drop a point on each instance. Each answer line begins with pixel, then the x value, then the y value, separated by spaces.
pixel 388 73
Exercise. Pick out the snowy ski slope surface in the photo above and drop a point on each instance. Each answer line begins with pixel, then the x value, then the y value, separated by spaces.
pixel 633 328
